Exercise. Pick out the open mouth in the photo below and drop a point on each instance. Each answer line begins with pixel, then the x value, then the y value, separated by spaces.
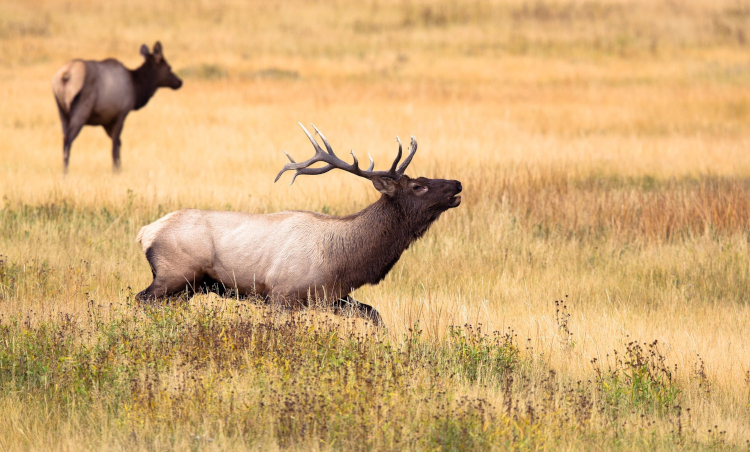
pixel 455 200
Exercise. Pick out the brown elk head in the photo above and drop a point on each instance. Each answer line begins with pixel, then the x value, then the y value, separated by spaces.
pixel 421 200
pixel 164 77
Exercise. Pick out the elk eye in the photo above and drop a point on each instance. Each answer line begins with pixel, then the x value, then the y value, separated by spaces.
pixel 419 188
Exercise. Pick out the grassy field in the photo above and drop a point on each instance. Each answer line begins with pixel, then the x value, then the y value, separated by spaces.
pixel 590 293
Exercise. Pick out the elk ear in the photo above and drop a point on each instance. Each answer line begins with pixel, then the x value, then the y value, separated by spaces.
pixel 144 51
pixel 157 52
pixel 385 185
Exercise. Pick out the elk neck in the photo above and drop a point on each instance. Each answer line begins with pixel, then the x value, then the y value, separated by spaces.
pixel 144 84
pixel 365 246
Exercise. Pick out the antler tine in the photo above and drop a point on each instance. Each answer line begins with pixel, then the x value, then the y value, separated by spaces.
pixel 283 170
pixel 286 167
pixel 356 162
pixel 328 146
pixel 412 151
pixel 312 140
pixel 398 157
pixel 300 169
pixel 372 163
pixel 311 171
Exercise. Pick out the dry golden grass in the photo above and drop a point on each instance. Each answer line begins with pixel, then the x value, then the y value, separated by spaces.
pixel 603 147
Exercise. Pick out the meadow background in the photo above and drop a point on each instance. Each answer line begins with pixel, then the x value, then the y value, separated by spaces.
pixel 591 291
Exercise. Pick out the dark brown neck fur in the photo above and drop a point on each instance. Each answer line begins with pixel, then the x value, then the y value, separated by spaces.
pixel 144 83
pixel 369 243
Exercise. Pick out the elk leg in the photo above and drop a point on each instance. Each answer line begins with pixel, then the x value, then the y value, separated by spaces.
pixel 167 286
pixel 64 118
pixel 65 121
pixel 364 311
pixel 74 128
pixel 79 114
pixel 157 290
pixel 114 129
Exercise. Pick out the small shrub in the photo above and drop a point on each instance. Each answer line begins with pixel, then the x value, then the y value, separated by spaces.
pixel 641 379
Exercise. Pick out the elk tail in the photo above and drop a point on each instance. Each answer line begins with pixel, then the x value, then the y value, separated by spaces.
pixel 68 82
pixel 148 234
pixel 141 233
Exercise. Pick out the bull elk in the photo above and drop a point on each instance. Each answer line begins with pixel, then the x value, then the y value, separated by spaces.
pixel 102 93
pixel 294 257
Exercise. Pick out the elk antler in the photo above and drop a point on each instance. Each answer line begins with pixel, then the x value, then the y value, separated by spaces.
pixel 334 162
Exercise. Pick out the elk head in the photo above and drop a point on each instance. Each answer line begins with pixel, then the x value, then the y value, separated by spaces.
pixel 164 77
pixel 421 200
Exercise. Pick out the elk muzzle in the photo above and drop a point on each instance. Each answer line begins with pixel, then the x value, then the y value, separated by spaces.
pixel 455 198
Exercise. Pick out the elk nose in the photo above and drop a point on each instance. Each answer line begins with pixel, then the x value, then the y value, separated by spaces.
pixel 458 186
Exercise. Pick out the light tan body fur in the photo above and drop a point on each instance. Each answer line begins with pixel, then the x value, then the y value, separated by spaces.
pixel 285 256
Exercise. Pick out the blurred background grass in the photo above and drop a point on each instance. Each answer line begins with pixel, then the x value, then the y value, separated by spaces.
pixel 603 147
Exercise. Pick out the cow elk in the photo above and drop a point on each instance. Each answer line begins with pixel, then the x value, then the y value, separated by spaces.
pixel 102 93
pixel 291 258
